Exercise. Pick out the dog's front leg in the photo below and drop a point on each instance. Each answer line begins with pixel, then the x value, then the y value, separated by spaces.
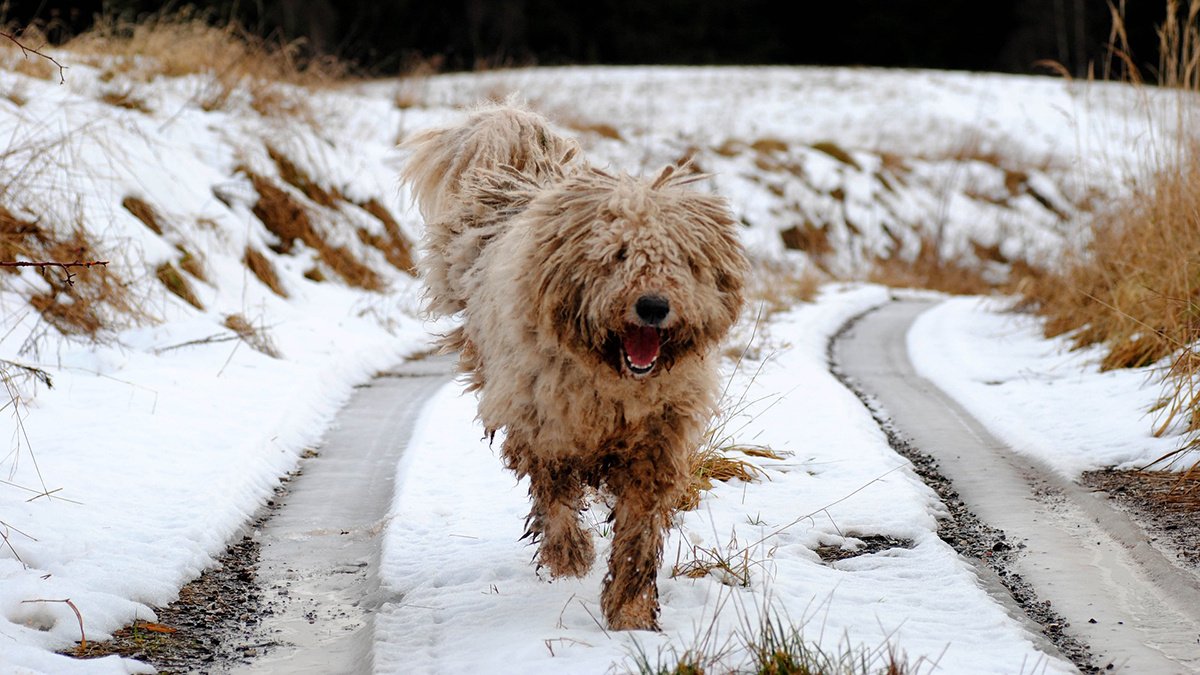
pixel 564 546
pixel 645 490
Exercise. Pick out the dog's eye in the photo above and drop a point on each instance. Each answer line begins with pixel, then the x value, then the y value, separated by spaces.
pixel 621 254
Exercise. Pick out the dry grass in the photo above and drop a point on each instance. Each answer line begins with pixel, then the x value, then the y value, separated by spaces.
pixel 288 218
pixel 186 41
pixel 125 98
pixel 721 456
pixel 712 463
pixel 16 59
pixel 837 152
pixel 807 237
pixel 76 302
pixel 192 263
pixel 275 204
pixel 777 647
pixel 929 270
pixel 264 270
pixel 731 566
pixel 300 180
pixel 141 210
pixel 778 286
pixel 598 128
pixel 774 645
pixel 255 336
pixel 769 145
pixel 178 284
pixel 1135 290
pixel 395 247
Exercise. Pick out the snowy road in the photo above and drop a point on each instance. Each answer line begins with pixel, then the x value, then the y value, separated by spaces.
pixel 1127 602
pixel 320 551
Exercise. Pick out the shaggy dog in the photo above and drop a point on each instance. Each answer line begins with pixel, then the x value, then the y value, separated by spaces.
pixel 591 306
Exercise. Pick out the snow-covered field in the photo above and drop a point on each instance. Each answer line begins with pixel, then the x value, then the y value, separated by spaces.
pixel 160 437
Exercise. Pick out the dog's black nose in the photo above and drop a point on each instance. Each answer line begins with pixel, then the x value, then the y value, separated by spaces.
pixel 652 309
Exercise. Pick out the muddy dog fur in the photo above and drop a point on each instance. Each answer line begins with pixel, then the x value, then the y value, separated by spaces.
pixel 592 304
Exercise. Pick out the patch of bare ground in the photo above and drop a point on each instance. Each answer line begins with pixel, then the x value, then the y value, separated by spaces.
pixel 870 544
pixel 1166 504
pixel 212 624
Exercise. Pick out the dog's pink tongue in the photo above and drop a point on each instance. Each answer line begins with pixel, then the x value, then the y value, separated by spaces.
pixel 641 344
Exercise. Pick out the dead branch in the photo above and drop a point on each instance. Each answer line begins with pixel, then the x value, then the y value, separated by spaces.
pixel 26 51
pixel 66 266
pixel 82 636
pixel 210 340
pixel 38 374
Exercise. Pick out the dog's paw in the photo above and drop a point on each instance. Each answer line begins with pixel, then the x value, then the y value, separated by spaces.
pixel 624 611
pixel 638 614
pixel 568 553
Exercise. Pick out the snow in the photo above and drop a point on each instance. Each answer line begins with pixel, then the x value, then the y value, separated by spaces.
pixel 161 437
pixel 468 600
pixel 1038 395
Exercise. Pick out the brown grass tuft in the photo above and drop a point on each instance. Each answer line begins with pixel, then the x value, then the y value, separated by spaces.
pixel 769 145
pixel 837 152
pixel 125 99
pixel 301 181
pixel 730 148
pixel 281 214
pixel 288 218
pixel 16 59
pixel 19 237
pixel 77 302
pixel 396 247
pixel 731 567
pixel 710 464
pixel 143 212
pixel 346 265
pixel 187 41
pixel 777 287
pixel 929 270
pixel 599 129
pixel 178 284
pixel 1135 290
pixel 255 336
pixel 807 237
pixel 192 263
pixel 264 270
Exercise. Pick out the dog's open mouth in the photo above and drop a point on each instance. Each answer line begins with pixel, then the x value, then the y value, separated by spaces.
pixel 640 347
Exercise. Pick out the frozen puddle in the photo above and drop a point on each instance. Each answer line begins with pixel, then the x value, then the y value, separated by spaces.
pixel 1129 604
pixel 320 550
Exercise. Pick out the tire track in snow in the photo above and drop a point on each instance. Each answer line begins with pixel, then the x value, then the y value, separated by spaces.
pixel 320 551
pixel 1134 609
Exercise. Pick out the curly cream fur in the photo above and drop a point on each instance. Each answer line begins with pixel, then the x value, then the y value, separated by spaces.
pixel 546 258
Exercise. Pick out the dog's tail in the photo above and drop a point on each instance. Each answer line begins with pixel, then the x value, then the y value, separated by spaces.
pixel 468 180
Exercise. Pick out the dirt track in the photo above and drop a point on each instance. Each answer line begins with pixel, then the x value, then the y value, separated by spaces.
pixel 1118 596
pixel 319 552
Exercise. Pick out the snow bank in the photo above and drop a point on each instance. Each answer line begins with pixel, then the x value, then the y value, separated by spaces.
pixel 1038 395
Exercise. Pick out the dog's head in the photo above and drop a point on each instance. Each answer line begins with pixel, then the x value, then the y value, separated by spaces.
pixel 634 274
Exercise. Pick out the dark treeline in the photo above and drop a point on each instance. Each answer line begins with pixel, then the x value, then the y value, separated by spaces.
pixel 386 36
